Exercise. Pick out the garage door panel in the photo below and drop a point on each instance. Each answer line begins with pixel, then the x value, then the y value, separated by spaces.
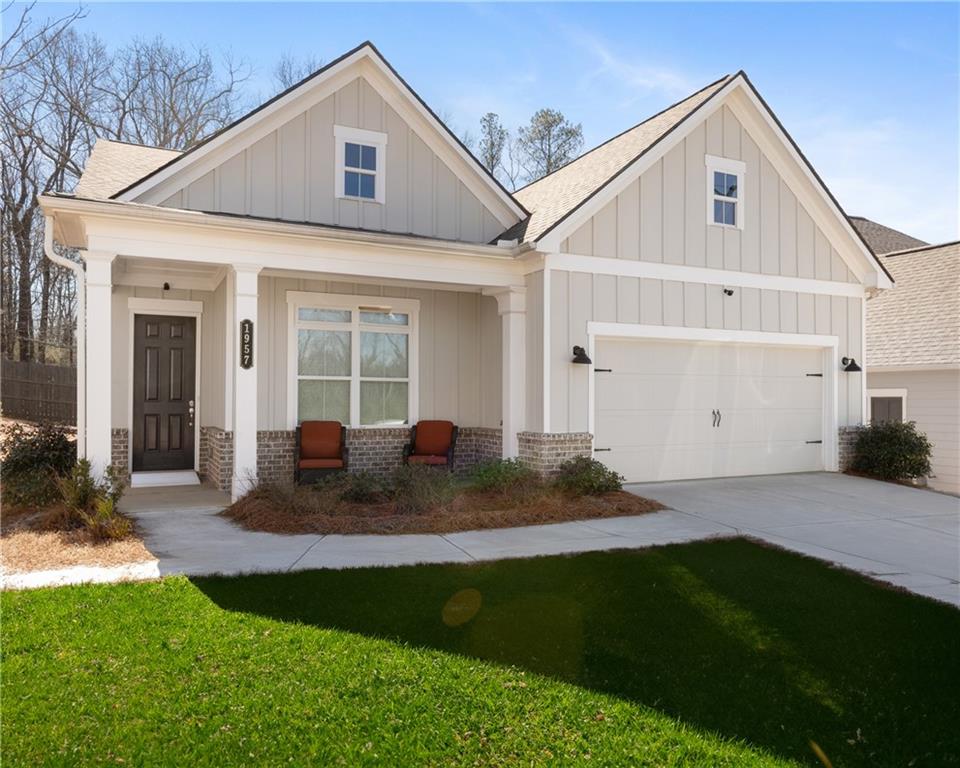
pixel 654 409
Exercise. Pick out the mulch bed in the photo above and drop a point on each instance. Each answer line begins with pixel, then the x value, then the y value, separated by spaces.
pixel 469 511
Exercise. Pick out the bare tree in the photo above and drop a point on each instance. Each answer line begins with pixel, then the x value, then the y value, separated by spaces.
pixel 549 142
pixel 290 69
pixel 511 167
pixel 23 42
pixel 493 139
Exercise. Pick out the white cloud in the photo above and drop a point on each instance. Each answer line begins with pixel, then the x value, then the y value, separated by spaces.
pixel 880 170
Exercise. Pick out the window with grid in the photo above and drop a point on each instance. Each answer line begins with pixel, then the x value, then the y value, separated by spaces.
pixel 359 170
pixel 725 191
pixel 361 164
pixel 353 364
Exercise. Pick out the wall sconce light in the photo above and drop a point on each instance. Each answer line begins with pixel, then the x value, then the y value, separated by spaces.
pixel 580 356
pixel 850 365
pixel 728 291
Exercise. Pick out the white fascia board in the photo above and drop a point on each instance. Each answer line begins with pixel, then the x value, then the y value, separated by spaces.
pixel 552 240
pixel 659 271
pixel 809 190
pixel 911 367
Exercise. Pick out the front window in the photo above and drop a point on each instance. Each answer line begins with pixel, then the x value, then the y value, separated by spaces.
pixel 360 164
pixel 352 363
pixel 725 192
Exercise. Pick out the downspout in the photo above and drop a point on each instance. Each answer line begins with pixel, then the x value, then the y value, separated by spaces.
pixel 78 272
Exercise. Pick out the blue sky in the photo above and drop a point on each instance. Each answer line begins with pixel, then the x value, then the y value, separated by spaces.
pixel 868 90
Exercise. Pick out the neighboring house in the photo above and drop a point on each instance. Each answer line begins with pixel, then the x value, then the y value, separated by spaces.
pixel 913 352
pixel 338 253
pixel 883 239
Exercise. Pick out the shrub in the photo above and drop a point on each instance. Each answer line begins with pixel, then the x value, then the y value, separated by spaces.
pixel 33 459
pixel 418 489
pixel 892 450
pixel 90 503
pixel 502 476
pixel 583 476
pixel 360 487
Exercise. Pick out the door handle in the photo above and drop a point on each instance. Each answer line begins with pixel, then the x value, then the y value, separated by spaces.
pixel 190 412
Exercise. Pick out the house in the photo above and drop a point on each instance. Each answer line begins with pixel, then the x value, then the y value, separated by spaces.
pixel 913 352
pixel 337 253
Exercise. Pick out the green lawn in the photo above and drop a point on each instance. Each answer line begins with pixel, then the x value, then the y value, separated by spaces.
pixel 714 653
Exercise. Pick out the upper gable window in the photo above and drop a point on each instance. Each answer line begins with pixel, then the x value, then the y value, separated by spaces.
pixel 360 164
pixel 725 192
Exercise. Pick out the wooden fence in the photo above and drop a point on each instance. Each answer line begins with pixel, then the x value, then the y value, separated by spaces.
pixel 38 392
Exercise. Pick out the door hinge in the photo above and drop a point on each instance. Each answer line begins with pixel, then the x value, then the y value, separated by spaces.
pixel 603 370
pixel 816 375
pixel 601 450
pixel 814 442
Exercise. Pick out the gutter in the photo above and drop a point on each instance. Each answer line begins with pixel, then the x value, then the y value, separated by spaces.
pixel 78 272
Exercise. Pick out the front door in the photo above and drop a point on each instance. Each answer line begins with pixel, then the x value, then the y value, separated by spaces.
pixel 164 396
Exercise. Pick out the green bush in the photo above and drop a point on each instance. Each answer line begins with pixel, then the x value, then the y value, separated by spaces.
pixel 418 489
pixel 892 450
pixel 33 460
pixel 90 503
pixel 360 487
pixel 584 476
pixel 502 476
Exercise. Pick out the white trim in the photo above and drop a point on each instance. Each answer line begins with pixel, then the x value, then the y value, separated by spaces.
pixel 547 327
pixel 273 115
pixel 163 478
pixel 829 345
pixel 410 307
pixel 175 308
pixel 895 392
pixel 600 265
pixel 909 367
pixel 378 141
pixel 736 168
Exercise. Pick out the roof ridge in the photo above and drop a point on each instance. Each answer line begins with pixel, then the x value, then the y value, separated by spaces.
pixel 137 144
pixel 932 247
pixel 624 132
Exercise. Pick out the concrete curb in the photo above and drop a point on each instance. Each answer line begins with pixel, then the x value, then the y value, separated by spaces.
pixel 80 574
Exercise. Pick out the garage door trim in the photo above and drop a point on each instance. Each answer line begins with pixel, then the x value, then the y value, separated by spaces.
pixel 828 344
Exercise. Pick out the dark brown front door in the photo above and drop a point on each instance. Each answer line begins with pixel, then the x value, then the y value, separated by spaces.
pixel 164 397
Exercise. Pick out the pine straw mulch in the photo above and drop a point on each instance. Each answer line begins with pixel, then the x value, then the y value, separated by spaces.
pixel 289 512
pixel 28 544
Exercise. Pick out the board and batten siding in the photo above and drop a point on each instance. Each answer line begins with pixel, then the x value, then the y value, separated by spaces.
pixel 459 350
pixel 533 343
pixel 662 216
pixel 212 351
pixel 577 298
pixel 289 174
pixel 933 402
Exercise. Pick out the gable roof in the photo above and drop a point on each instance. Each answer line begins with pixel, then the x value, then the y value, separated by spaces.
pixel 114 165
pixel 917 323
pixel 883 239
pixel 366 50
pixel 552 198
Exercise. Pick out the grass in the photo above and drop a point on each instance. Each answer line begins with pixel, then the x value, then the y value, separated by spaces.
pixel 712 653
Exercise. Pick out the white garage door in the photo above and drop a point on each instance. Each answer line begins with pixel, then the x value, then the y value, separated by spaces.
pixel 668 410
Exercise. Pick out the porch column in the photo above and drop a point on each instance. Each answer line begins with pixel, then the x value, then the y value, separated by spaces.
pixel 512 306
pixel 244 380
pixel 99 373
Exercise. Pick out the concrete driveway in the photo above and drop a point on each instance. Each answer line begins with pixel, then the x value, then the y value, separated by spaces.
pixel 905 536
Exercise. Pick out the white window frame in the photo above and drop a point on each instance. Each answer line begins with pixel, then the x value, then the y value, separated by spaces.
pixel 899 392
pixel 739 169
pixel 355 304
pixel 344 135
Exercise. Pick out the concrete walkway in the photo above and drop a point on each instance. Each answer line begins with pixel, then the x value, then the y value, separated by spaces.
pixel 904 536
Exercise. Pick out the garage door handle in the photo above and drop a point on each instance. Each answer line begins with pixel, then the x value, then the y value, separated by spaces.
pixel 601 450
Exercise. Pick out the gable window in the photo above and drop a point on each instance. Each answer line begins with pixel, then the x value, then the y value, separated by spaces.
pixel 352 359
pixel 360 164
pixel 725 192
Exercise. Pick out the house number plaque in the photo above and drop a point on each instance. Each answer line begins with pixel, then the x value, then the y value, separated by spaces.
pixel 246 344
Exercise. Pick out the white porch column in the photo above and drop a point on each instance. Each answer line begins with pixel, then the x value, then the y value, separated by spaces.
pixel 512 305
pixel 244 382
pixel 99 374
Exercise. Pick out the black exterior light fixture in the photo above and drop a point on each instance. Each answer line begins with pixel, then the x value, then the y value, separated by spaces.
pixel 728 291
pixel 850 365
pixel 580 356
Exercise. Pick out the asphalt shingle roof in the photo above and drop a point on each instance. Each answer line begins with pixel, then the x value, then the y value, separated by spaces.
pixel 883 239
pixel 552 198
pixel 114 165
pixel 918 322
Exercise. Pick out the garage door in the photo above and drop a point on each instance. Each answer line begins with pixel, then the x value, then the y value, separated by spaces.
pixel 668 410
